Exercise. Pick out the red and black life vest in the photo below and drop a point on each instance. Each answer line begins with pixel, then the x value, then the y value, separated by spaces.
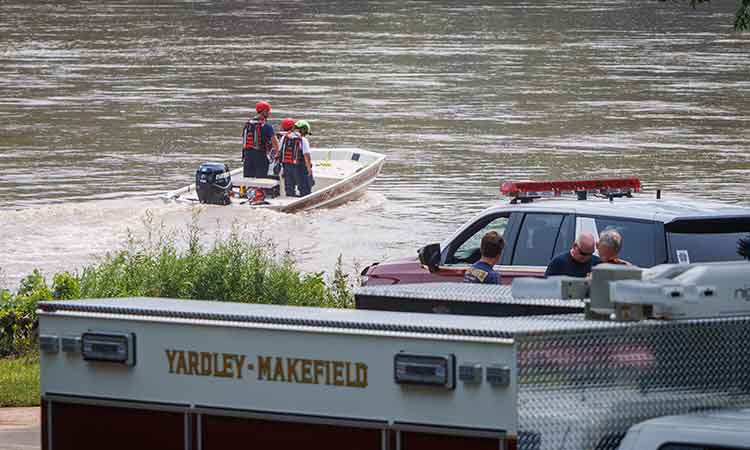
pixel 252 135
pixel 291 151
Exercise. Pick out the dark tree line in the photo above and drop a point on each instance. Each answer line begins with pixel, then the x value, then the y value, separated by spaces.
pixel 742 21
pixel 741 18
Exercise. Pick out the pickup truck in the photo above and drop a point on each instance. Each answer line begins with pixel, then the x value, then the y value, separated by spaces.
pixel 664 230
pixel 706 430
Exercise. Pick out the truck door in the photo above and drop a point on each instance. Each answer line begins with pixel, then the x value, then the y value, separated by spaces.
pixel 640 242
pixel 536 243
pixel 464 250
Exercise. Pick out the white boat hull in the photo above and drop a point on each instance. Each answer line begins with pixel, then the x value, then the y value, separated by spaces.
pixel 340 176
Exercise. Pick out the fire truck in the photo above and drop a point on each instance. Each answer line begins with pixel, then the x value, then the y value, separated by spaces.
pixel 544 364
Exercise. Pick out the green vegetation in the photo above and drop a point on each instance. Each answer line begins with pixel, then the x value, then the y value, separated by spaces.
pixel 19 381
pixel 18 315
pixel 741 15
pixel 235 268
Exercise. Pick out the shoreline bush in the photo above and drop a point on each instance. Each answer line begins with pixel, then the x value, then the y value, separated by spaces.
pixel 232 269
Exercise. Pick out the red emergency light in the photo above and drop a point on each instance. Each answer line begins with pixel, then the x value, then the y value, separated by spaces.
pixel 538 189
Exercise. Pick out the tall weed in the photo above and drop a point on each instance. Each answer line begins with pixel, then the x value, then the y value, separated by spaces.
pixel 164 263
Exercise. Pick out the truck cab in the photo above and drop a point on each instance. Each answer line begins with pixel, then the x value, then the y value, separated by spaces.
pixel 539 222
pixel 707 430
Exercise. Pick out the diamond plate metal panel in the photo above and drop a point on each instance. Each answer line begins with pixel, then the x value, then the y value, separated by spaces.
pixel 583 390
pixel 467 292
pixel 397 322
pixel 440 291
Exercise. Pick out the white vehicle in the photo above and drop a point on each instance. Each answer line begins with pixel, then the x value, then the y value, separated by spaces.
pixel 707 430
pixel 139 373
pixel 541 220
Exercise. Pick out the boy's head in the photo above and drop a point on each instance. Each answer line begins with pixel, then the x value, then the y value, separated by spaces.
pixel 492 245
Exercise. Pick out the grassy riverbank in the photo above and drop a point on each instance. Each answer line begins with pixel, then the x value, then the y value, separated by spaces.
pixel 19 381
pixel 167 264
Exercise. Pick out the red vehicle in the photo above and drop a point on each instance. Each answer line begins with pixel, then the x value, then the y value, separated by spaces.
pixel 539 223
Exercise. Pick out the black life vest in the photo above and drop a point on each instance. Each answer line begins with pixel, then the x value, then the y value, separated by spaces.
pixel 291 151
pixel 252 135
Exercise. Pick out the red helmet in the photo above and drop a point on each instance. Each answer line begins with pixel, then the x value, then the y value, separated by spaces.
pixel 287 123
pixel 262 106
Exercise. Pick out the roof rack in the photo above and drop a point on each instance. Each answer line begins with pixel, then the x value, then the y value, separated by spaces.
pixel 527 191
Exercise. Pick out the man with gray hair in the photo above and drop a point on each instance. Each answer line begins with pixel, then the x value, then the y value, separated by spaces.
pixel 609 245
pixel 578 261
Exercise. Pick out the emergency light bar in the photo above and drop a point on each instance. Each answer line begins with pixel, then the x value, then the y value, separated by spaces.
pixel 538 189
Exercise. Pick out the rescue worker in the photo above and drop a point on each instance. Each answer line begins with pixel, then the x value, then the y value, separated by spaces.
pixel 258 141
pixel 482 271
pixel 287 126
pixel 578 261
pixel 304 128
pixel 609 245
pixel 295 158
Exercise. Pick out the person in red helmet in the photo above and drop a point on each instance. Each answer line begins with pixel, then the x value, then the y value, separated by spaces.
pixel 295 156
pixel 258 141
pixel 287 125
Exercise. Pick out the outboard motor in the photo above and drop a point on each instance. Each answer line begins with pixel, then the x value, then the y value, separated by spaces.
pixel 213 183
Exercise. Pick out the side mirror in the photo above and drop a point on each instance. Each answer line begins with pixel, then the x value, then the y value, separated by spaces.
pixel 429 255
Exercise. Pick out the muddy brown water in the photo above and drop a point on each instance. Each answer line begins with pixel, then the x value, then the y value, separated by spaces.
pixel 104 105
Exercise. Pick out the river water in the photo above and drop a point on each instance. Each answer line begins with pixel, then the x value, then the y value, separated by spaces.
pixel 104 105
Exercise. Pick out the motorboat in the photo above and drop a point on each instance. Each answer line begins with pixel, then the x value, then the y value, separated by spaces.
pixel 340 175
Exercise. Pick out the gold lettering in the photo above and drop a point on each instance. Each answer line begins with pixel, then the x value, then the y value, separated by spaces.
pixel 193 363
pixel 278 373
pixel 206 366
pixel 171 354
pixel 215 357
pixel 240 359
pixel 338 373
pixel 226 370
pixel 361 375
pixel 264 367
pixel 300 370
pixel 319 366
pixel 181 363
pixel 222 373
pixel 291 370
pixel 349 381
pixel 307 371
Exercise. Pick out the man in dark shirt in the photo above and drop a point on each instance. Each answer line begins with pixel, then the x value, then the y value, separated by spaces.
pixel 482 271
pixel 260 144
pixel 578 261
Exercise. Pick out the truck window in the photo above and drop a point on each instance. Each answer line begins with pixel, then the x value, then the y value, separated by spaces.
pixel 468 251
pixel 706 239
pixel 566 237
pixel 536 241
pixel 703 247
pixel 638 239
